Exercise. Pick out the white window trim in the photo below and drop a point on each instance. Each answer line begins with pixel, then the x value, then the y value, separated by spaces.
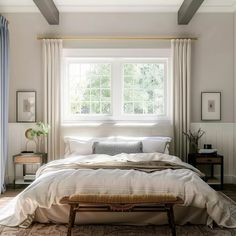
pixel 108 55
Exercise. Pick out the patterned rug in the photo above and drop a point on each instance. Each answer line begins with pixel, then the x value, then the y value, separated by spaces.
pixel 114 230
pixel 109 230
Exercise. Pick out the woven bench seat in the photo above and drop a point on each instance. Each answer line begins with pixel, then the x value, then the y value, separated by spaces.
pixel 121 203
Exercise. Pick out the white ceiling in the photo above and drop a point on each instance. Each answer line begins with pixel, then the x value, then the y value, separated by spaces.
pixel 117 5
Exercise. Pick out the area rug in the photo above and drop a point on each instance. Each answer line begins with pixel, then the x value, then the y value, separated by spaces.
pixel 115 230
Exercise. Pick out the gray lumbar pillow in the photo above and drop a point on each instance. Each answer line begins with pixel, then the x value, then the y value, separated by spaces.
pixel 113 148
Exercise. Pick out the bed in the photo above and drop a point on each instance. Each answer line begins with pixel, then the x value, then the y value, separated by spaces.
pixel 146 168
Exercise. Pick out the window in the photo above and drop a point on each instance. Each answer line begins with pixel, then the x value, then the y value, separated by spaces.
pixel 115 88
pixel 89 88
pixel 144 88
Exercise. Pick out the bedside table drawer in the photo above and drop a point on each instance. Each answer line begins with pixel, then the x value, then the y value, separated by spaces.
pixel 209 160
pixel 28 159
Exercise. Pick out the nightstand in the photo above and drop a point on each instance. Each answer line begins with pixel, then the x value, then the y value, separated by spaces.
pixel 211 160
pixel 27 159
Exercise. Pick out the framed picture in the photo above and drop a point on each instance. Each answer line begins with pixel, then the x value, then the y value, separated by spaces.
pixel 211 106
pixel 26 106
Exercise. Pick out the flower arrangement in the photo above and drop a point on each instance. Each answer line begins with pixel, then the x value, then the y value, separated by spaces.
pixel 193 138
pixel 38 134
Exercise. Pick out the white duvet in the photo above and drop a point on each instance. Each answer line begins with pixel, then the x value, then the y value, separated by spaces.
pixel 64 177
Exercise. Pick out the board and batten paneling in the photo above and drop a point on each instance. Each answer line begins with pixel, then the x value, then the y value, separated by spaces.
pixel 222 137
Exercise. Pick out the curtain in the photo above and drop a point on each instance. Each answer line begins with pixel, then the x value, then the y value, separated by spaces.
pixel 52 53
pixel 181 72
pixel 4 77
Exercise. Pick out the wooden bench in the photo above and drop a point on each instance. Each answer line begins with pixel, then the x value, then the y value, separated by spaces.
pixel 121 203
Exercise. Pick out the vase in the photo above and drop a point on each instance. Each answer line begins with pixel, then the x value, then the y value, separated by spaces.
pixel 193 147
pixel 39 145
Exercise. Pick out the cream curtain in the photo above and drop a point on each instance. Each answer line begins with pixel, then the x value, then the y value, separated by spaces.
pixel 181 64
pixel 52 53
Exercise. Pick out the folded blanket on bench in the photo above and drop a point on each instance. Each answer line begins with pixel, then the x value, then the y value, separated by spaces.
pixel 121 198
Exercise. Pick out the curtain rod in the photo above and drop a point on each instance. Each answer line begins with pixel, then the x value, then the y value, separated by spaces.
pixel 115 37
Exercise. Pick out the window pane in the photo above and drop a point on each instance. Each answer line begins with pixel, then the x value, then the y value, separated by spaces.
pixel 129 108
pixel 75 108
pixel 105 95
pixel 128 81
pixel 106 108
pixel 105 82
pixel 128 95
pixel 144 86
pixel 95 82
pixel 85 108
pixel 95 107
pixel 95 94
pixel 138 108
pixel 89 85
pixel 84 94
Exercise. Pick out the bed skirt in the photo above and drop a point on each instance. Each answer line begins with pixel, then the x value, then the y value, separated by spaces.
pixel 183 215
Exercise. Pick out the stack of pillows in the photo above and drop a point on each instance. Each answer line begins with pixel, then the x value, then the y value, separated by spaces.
pixel 115 145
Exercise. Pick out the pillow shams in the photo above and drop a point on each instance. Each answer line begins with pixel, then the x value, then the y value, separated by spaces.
pixel 79 147
pixel 113 148
pixel 150 146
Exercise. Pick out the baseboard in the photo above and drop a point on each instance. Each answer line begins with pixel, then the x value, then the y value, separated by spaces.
pixel 233 178
pixel 228 179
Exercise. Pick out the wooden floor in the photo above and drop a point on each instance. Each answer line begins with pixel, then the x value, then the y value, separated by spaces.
pixel 101 230
pixel 11 192
pixel 230 191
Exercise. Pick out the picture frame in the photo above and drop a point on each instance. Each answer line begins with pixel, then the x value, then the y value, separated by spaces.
pixel 26 106
pixel 211 106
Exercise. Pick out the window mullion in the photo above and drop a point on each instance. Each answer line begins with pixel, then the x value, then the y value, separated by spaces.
pixel 116 89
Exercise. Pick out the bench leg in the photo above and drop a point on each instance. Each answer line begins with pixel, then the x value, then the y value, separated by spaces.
pixel 171 219
pixel 71 218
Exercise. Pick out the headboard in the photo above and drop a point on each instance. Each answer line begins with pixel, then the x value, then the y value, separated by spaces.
pixel 111 130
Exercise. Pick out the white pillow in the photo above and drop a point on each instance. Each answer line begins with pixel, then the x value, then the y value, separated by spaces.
pixel 81 147
pixel 150 146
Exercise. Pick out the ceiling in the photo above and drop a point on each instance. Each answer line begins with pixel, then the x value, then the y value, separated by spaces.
pixel 117 5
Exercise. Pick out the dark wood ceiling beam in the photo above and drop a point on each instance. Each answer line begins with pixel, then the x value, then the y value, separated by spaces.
pixel 187 11
pixel 48 10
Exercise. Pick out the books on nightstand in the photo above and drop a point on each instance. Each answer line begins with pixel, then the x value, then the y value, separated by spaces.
pixel 29 177
pixel 207 151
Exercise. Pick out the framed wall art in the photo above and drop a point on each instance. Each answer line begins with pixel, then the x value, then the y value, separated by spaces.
pixel 26 106
pixel 211 106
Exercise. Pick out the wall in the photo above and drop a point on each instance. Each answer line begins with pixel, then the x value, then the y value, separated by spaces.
pixel 212 63
pixel 212 60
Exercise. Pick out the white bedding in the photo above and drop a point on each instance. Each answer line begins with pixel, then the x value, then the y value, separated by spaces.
pixel 62 177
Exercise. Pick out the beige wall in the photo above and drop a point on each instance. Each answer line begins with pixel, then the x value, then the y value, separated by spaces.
pixel 212 64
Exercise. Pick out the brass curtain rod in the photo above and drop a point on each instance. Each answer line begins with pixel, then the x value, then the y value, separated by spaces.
pixel 115 37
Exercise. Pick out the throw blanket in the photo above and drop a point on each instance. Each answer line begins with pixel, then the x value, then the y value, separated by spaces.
pixel 123 162
pixel 120 174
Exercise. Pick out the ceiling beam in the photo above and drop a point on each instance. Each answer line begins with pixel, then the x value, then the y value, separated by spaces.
pixel 48 10
pixel 187 11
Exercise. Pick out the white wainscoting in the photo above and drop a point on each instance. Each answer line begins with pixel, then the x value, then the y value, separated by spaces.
pixel 220 135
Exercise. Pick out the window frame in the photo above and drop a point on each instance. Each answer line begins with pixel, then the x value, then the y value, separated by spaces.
pixel 65 112
pixel 116 57
pixel 166 102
